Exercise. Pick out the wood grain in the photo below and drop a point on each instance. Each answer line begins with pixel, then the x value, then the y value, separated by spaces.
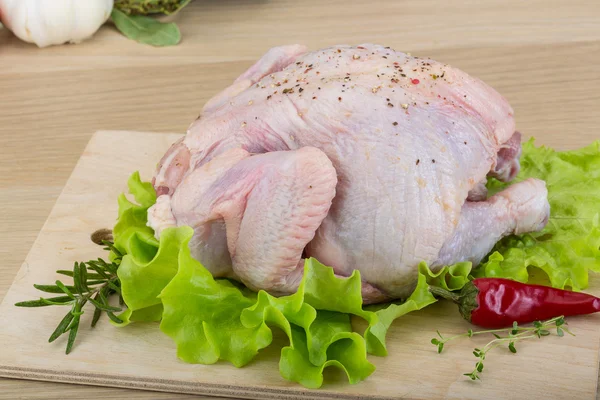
pixel 542 55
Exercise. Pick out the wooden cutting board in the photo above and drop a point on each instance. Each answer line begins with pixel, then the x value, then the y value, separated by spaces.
pixel 140 356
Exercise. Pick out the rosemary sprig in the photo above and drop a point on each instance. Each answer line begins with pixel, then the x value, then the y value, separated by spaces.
pixel 517 333
pixel 94 281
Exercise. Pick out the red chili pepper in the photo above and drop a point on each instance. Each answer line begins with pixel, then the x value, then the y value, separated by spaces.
pixel 497 303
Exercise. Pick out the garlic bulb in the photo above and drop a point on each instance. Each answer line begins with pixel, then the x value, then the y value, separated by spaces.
pixel 48 22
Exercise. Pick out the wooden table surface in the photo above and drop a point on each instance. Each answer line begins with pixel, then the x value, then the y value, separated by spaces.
pixel 543 55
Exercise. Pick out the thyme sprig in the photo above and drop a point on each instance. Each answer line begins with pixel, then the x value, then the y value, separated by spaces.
pixel 517 333
pixel 94 281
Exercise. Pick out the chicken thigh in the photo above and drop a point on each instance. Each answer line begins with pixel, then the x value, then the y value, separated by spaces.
pixel 362 157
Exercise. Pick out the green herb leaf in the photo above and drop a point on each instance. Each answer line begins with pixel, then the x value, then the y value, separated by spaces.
pixel 114 318
pixel 62 327
pixel 113 286
pixel 103 293
pixel 111 246
pixel 62 300
pixel 111 268
pixel 511 347
pixel 94 265
pixel 77 279
pixel 146 30
pixel 83 277
pixel 96 282
pixel 65 289
pixel 515 328
pixel 472 375
pixel 51 288
pixel 94 277
pixel 72 333
pixel 96 317
pixel 104 307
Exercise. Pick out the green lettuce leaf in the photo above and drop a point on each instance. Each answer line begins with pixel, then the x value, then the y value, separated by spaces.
pixel 143 280
pixel 346 351
pixel 132 235
pixel 212 319
pixel 451 277
pixel 149 314
pixel 569 247
pixel 134 239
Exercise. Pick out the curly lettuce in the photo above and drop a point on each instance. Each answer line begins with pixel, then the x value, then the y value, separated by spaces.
pixel 213 319
pixel 216 319
pixel 569 247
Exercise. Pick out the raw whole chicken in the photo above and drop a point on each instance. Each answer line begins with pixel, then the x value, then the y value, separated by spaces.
pixel 362 157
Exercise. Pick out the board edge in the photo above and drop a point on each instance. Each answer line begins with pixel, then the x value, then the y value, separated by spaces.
pixel 175 386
